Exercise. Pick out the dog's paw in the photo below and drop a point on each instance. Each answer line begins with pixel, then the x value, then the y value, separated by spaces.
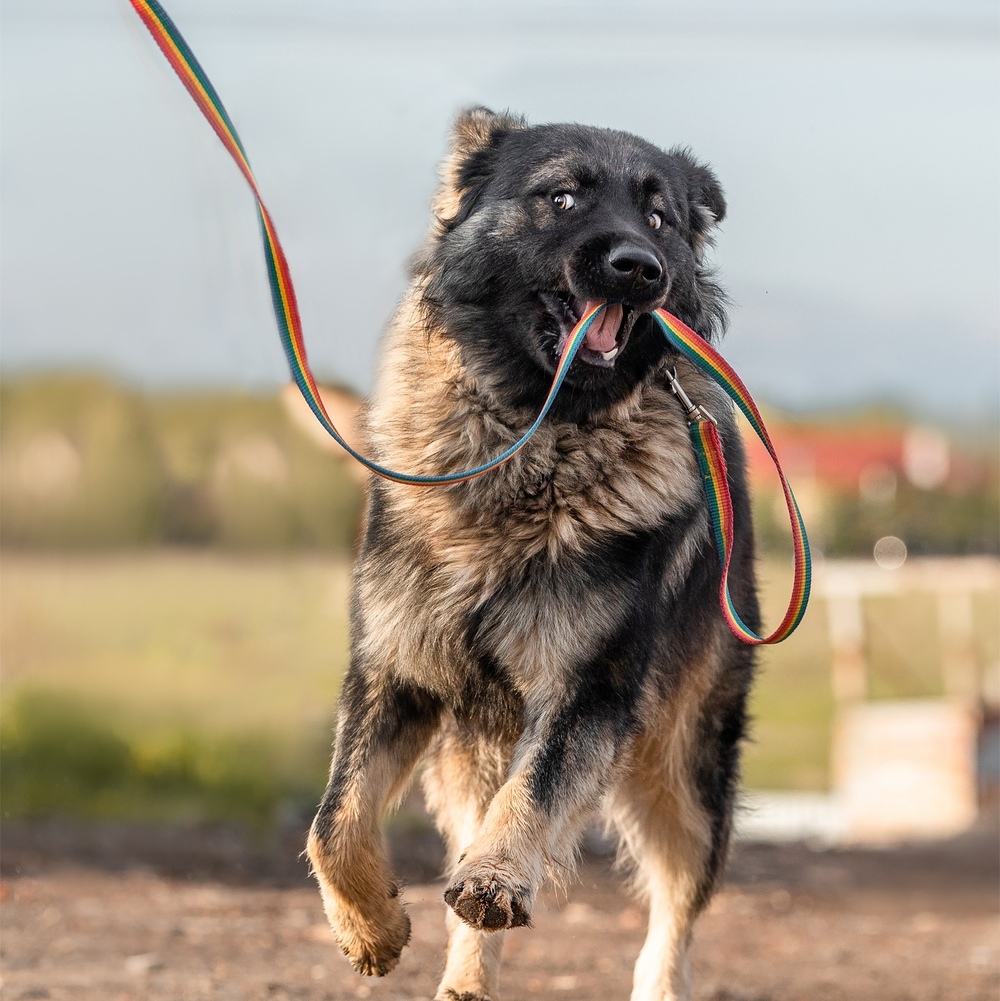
pixel 450 995
pixel 486 899
pixel 373 947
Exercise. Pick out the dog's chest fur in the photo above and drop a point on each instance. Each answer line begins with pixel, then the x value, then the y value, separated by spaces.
pixel 525 547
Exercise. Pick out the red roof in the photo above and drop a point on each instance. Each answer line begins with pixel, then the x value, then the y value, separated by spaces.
pixel 834 456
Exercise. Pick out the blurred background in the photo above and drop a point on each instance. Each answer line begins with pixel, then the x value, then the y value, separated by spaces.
pixel 176 537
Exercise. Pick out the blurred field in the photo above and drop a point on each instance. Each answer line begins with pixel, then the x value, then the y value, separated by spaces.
pixel 225 640
pixel 167 683
pixel 173 683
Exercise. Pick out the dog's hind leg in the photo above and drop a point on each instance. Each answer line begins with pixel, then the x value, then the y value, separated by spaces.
pixel 673 808
pixel 383 728
pixel 462 775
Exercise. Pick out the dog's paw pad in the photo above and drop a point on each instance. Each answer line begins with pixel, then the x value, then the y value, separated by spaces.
pixel 488 903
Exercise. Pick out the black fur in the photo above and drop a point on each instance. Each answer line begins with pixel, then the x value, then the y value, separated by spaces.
pixel 488 298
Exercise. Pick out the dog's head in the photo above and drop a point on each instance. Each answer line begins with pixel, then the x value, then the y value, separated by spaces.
pixel 534 225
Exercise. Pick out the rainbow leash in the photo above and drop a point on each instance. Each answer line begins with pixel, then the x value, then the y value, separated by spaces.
pixel 286 309
pixel 712 462
pixel 704 434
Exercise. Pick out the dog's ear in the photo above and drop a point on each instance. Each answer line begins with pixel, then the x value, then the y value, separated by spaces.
pixel 707 203
pixel 466 168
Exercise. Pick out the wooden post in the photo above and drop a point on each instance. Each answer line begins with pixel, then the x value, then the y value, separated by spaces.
pixel 958 651
pixel 906 768
pixel 846 625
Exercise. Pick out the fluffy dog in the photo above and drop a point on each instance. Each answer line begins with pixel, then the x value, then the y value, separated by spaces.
pixel 546 638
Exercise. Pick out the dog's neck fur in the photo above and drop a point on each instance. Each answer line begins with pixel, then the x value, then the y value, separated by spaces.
pixel 626 469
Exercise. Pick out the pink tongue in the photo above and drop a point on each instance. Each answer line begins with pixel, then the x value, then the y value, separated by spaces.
pixel 603 331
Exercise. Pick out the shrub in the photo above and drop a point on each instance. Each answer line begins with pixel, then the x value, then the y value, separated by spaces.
pixel 61 756
pixel 80 465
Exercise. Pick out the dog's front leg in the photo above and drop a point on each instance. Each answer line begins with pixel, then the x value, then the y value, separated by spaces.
pixel 382 729
pixel 561 767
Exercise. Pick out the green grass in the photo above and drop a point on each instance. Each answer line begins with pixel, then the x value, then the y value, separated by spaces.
pixel 88 464
pixel 792 702
pixel 64 755
pixel 221 641
pixel 159 684
pixel 168 684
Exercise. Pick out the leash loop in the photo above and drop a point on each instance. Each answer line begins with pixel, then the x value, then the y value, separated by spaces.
pixel 703 426
pixel 704 433
pixel 286 311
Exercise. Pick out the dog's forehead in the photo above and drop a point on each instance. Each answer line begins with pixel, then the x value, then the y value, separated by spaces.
pixel 555 153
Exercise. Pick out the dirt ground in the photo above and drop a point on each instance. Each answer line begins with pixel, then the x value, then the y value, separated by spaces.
pixel 130 914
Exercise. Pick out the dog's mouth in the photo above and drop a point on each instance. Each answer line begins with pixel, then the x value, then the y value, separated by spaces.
pixel 608 334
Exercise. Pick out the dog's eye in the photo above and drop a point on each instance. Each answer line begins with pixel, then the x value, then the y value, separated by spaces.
pixel 655 220
pixel 563 201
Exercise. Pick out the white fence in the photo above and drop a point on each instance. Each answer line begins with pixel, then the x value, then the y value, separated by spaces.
pixel 903 769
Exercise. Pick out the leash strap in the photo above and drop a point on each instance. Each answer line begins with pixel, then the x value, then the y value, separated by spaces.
pixel 286 310
pixel 704 433
pixel 712 462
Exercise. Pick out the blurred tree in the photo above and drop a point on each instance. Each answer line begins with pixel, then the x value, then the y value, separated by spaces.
pixel 85 463
pixel 79 464
pixel 245 476
pixel 930 522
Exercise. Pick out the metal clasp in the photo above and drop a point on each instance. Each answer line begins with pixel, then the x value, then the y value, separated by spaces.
pixel 693 411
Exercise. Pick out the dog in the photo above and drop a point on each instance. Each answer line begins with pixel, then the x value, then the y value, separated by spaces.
pixel 546 638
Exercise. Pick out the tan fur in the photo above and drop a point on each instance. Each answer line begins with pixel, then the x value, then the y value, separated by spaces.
pixel 460 779
pixel 665 830
pixel 472 967
pixel 359 891
pixel 625 473
pixel 360 894
pixel 472 131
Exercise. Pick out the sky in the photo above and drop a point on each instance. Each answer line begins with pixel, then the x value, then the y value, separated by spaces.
pixel 858 143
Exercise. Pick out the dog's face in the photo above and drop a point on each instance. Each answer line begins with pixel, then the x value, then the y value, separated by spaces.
pixel 535 225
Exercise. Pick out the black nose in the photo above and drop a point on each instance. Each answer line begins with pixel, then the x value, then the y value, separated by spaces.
pixel 641 264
